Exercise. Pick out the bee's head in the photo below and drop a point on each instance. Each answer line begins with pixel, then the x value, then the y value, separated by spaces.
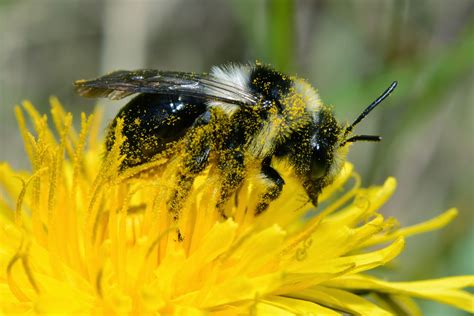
pixel 325 152
pixel 328 146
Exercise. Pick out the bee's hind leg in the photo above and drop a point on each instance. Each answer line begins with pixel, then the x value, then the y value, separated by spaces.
pixel 192 167
pixel 275 186
pixel 232 167
pixel 195 160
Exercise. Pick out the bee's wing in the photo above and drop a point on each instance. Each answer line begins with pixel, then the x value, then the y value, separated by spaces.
pixel 122 83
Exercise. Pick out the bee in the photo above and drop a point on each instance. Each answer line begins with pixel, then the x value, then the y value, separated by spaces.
pixel 235 116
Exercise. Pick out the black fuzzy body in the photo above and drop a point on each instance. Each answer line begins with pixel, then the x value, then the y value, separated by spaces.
pixel 155 123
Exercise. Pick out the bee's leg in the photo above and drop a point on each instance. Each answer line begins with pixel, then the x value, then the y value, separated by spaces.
pixel 193 165
pixel 274 188
pixel 195 161
pixel 231 164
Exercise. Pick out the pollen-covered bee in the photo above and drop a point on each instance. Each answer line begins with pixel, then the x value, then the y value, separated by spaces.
pixel 234 116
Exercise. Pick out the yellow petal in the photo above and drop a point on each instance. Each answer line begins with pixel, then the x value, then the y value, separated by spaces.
pixel 216 242
pixel 429 225
pixel 342 239
pixel 398 304
pixel 373 259
pixel 10 304
pixel 278 305
pixel 340 300
pixel 444 290
pixel 236 289
pixel 254 251
pixel 367 202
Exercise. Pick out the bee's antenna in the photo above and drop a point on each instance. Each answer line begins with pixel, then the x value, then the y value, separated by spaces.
pixel 357 138
pixel 367 111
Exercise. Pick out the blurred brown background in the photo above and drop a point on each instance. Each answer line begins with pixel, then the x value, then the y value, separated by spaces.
pixel 349 50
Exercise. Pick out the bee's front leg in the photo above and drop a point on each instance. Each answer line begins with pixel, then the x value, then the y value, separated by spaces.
pixel 275 186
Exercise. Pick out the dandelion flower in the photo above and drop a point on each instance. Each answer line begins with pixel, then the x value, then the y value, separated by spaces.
pixel 78 236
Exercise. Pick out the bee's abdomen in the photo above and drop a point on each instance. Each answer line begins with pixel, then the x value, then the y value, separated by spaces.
pixel 152 122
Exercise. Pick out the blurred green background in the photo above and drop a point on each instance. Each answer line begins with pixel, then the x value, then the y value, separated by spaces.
pixel 349 50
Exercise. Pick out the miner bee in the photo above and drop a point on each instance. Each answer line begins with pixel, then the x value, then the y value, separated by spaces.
pixel 234 115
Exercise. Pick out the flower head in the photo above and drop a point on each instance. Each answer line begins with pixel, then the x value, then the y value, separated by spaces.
pixel 80 236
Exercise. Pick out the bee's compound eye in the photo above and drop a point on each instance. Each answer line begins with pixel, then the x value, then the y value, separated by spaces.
pixel 319 161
